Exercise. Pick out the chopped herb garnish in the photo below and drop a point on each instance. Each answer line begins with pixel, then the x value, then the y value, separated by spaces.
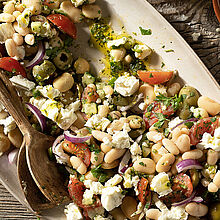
pixel 145 31
pixel 168 51
pixel 142 164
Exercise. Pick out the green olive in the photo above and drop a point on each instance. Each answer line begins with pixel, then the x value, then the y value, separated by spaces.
pixel 190 95
pixel 120 101
pixel 63 60
pixel 185 112
pixel 194 174
pixel 44 71
pixel 214 211
pixel 137 124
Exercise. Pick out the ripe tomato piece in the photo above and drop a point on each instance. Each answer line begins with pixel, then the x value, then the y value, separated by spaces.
pixel 90 95
pixel 182 188
pixel 76 190
pixel 63 23
pixel 51 4
pixel 11 65
pixel 81 150
pixel 143 190
pixel 203 125
pixel 155 77
pixel 150 115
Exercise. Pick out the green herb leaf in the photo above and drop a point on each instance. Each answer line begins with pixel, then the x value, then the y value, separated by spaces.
pixel 98 173
pixel 145 31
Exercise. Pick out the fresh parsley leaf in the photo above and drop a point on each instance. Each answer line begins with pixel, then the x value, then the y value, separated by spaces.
pixel 213 119
pixel 142 164
pixel 112 82
pixel 98 173
pixel 161 120
pixel 189 124
pixel 93 148
pixel 145 31
pixel 162 64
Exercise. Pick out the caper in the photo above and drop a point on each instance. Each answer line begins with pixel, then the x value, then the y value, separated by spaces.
pixel 43 71
pixel 137 124
pixel 63 60
pixel 185 112
pixel 190 95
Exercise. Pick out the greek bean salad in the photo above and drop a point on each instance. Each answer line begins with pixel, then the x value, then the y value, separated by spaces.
pixel 132 142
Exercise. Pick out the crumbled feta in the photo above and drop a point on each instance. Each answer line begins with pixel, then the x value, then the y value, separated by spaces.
pixel 61 156
pixel 111 197
pixel 22 82
pixel 97 122
pixel 115 180
pixel 72 211
pixel 126 85
pixel 135 149
pixel 8 123
pixel 48 91
pixel 87 197
pixel 175 213
pixel 77 3
pixel 24 19
pixel 161 184
pixel 95 187
pixel 142 51
pixel 160 89
pixel 117 42
pixel 142 106
pixel 121 139
pixel 174 122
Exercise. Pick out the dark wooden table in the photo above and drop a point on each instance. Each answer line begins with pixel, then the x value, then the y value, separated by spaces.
pixel 196 22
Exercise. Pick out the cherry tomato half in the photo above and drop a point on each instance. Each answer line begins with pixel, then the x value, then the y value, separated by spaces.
pixel 81 150
pixel 90 95
pixel 203 125
pixel 11 65
pixel 143 190
pixel 155 77
pixel 63 23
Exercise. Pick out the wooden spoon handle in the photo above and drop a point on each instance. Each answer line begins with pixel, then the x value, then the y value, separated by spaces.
pixel 12 102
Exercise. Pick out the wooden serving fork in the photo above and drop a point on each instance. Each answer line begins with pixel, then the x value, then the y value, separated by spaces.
pixel 43 171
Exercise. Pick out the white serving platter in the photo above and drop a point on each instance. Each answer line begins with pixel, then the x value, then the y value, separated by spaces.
pixel 132 14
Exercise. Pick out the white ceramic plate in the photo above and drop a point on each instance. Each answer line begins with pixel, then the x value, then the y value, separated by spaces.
pixel 132 14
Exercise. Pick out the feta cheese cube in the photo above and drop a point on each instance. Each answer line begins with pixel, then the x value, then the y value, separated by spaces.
pixel 126 85
pixel 135 149
pixel 87 197
pixel 97 122
pixel 8 123
pixel 111 197
pixel 66 118
pixel 97 188
pixel 117 42
pixel 142 51
pixel 116 179
pixel 48 91
pixel 161 184
pixel 121 140
pixel 22 82
pixel 72 211
pixel 175 213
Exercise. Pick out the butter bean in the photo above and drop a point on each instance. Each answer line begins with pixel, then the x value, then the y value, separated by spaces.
pixel 117 125
pixel 105 148
pixel 18 39
pixel 153 213
pixel 109 166
pixel 183 143
pixel 3 114
pixel 173 89
pixel 211 106
pixel 115 115
pixel 117 214
pixel 155 136
pixel 212 157
pixel 64 82
pixel 8 18
pixel 212 187
pixel 196 209
pixel 81 65
pixel 129 206
pixel 113 155
pixel 97 158
pixel 78 164
pixel 100 135
pixel 91 11
pixel 216 179
pixel 173 168
pixel 20 30
pixel 36 4
pixel 103 110
pixel 145 165
pixel 148 91
pixel 192 154
pixel 9 8
pixel 170 146
pixel 118 54
pixel 165 162
pixel 156 152
pixel 15 137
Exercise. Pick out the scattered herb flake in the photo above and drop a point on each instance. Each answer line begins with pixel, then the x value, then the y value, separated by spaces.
pixel 145 31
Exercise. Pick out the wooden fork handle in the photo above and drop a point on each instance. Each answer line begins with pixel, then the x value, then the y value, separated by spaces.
pixel 12 102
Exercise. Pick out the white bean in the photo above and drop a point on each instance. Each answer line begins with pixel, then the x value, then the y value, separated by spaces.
pixel 165 162
pixel 129 206
pixel 113 155
pixel 212 157
pixel 183 143
pixel 3 114
pixel 64 82
pixel 212 187
pixel 211 106
pixel 16 13
pixel 153 213
pixel 97 158
pixel 10 47
pixel 196 209
pixel 148 91
pixel 118 54
pixel 81 65
pixel 173 89
pixel 216 179
pixel 100 135
pixel 155 155
pixel 18 39
pixel 9 8
pixel 36 4
pixel 73 13
pixel 20 30
pixel 109 166
pixel 89 176
pixel 105 148
pixel 155 136
pixel 5 17
pixel 145 165
pixel 192 154
pixel 173 168
pixel 91 11
pixel 117 214
pixel 108 90
pixel 29 39
pixel 78 164
pixel 170 146
pixel 128 59
pixel 103 110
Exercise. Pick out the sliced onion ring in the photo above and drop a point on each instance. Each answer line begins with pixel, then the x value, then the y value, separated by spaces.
pixel 12 156
pixel 41 118
pixel 123 166
pixel 197 199
pixel 188 164
pixel 75 139
pixel 38 57
pixel 185 121
pixel 185 201
pixel 56 142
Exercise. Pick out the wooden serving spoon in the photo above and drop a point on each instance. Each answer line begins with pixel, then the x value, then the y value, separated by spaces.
pixel 33 195
pixel 43 171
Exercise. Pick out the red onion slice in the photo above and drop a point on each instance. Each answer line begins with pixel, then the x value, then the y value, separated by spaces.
pixel 185 201
pixel 12 156
pixel 75 139
pixel 38 57
pixel 185 121
pixel 41 118
pixel 123 166
pixel 197 199
pixel 188 164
